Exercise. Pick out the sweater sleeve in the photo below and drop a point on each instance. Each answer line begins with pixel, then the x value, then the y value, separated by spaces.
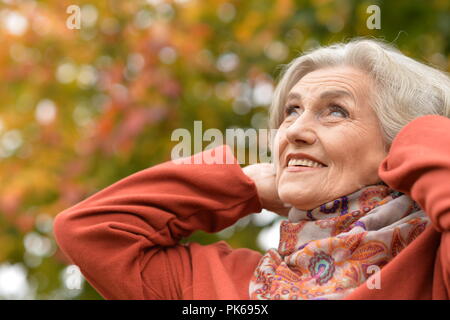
pixel 418 165
pixel 138 221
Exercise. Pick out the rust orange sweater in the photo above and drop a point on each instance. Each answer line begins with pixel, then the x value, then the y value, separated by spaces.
pixel 125 238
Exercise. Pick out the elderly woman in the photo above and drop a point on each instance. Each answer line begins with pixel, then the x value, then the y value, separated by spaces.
pixel 361 156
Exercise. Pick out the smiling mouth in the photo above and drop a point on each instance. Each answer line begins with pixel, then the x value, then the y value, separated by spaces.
pixel 304 163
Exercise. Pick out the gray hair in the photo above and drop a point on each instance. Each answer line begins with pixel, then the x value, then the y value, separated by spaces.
pixel 405 89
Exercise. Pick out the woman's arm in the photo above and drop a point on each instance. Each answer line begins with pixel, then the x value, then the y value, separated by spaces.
pixel 263 175
pixel 419 165
pixel 116 233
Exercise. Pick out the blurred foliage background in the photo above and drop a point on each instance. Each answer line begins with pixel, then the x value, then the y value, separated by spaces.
pixel 83 108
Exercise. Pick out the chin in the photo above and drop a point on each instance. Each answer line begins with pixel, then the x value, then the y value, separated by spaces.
pixel 299 200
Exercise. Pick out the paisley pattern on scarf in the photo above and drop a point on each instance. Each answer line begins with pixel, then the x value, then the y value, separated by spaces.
pixel 325 253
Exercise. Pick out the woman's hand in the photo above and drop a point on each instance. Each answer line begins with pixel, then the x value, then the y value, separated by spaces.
pixel 263 174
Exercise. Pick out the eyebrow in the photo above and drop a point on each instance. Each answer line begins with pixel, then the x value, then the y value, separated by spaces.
pixel 326 94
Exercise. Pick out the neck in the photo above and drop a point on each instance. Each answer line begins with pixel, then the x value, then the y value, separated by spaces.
pixel 362 200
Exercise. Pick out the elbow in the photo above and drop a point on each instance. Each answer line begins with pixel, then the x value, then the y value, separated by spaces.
pixel 64 232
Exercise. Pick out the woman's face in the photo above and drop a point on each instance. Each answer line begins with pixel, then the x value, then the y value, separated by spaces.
pixel 328 117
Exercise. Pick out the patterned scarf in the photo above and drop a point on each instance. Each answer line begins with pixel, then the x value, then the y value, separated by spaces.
pixel 327 252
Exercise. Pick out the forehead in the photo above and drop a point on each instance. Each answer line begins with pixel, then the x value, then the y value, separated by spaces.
pixel 356 82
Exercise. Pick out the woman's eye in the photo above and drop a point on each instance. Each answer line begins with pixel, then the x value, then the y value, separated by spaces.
pixel 290 110
pixel 341 112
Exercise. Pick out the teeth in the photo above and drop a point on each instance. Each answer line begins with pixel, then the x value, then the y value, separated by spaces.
pixel 304 162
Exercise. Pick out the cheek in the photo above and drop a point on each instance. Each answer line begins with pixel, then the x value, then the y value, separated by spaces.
pixel 358 157
pixel 278 146
pixel 351 150
pixel 339 149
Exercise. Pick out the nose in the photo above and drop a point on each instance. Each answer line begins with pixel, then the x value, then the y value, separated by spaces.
pixel 301 131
